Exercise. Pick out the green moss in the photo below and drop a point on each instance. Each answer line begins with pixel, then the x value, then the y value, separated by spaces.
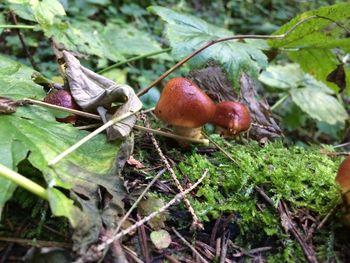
pixel 303 178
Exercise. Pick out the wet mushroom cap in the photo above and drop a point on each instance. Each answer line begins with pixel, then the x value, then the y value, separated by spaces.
pixel 343 177
pixel 232 116
pixel 183 104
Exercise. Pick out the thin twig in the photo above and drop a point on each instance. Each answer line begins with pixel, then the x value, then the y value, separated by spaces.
pixel 143 241
pixel 90 136
pixel 56 107
pixel 144 192
pixel 97 117
pixel 224 243
pixel 17 26
pixel 40 243
pixel 134 59
pixel 23 43
pixel 195 224
pixel 132 254
pixel 177 198
pixel 213 42
pixel 289 226
pixel 220 148
pixel 189 245
pixel 342 145
pixel 324 220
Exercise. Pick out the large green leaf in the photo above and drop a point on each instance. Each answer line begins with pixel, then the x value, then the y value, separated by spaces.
pixel 128 40
pixel 317 62
pixel 319 105
pixel 187 33
pixel 312 96
pixel 311 44
pixel 15 80
pixel 33 133
pixel 318 32
pixel 43 12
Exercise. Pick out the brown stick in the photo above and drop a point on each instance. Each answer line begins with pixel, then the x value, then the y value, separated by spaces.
pixel 289 226
pixel 23 43
pixel 213 42
pixel 177 198
pixel 196 224
pixel 202 259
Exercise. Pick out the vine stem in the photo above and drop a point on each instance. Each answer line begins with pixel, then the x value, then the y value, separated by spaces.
pixel 151 54
pixel 23 182
pixel 213 42
pixel 279 102
pixel 17 26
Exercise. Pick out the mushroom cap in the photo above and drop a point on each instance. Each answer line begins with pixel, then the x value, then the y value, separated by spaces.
pixel 183 104
pixel 232 116
pixel 343 175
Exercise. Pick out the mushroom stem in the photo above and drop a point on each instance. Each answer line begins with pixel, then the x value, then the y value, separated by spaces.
pixel 194 133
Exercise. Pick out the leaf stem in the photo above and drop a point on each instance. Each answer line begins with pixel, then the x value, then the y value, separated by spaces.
pixel 134 59
pixel 213 42
pixel 279 102
pixel 23 182
pixel 56 107
pixel 97 117
pixel 90 136
pixel 17 26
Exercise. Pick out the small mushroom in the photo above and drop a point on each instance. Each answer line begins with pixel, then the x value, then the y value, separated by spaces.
pixel 343 179
pixel 184 106
pixel 232 117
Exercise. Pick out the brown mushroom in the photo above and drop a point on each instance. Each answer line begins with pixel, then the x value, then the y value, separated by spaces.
pixel 184 106
pixel 343 179
pixel 232 117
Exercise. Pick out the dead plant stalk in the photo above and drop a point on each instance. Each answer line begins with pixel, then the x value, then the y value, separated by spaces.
pixel 177 198
pixel 195 224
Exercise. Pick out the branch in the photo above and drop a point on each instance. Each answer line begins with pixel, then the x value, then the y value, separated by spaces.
pixel 189 245
pixel 213 42
pixel 134 59
pixel 177 198
pixel 196 224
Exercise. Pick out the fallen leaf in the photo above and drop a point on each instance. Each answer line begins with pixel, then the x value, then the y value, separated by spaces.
pixel 133 162
pixel 161 238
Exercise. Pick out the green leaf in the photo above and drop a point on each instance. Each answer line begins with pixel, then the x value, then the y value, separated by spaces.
pixel 311 43
pixel 282 77
pixel 128 40
pixel 111 42
pixel 63 206
pixel 34 132
pixel 15 80
pixel 312 96
pixel 317 62
pixel 318 32
pixel 161 238
pixel 43 12
pixel 187 33
pixel 319 105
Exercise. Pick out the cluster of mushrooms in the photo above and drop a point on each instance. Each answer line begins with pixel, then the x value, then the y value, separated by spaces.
pixel 186 107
